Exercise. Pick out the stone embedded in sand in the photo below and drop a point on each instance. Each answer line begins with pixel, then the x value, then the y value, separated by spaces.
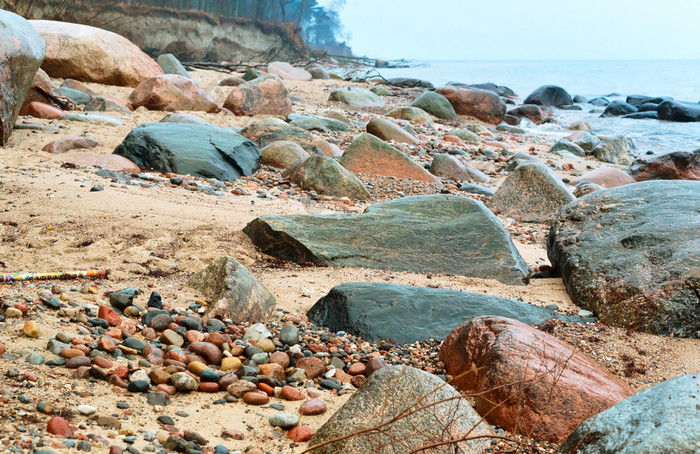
pixel 482 104
pixel 400 234
pixel 236 293
pixel 412 114
pixel 387 130
pixel 282 154
pixel 31 329
pixel 406 314
pixel 256 398
pixel 325 176
pixel 208 351
pixel 390 392
pixel 43 111
pixel 70 143
pixel 109 315
pixel 368 154
pixel 526 380
pixel 356 97
pixel 203 151
pixel 300 434
pixel 288 72
pixel 172 92
pixel 317 122
pixel 631 255
pixel 313 407
pixel 291 393
pixel 21 53
pixel 93 55
pixel 264 95
pixel 532 192
pixel 100 160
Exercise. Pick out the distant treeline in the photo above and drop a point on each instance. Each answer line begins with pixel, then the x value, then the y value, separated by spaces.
pixel 320 25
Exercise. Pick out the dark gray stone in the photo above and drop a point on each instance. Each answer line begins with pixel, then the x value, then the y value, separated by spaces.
pixel 203 151
pixel 663 419
pixel 618 108
pixel 123 298
pixel 387 393
pixel 639 100
pixel 679 111
pixel 631 254
pixel 549 95
pixel 408 82
pixel 421 234
pixel 406 314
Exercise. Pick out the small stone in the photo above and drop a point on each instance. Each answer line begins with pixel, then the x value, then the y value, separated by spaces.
pixel 231 363
pixel 196 367
pixel 31 329
pixel 59 426
pixel 291 393
pixel 289 335
pixel 284 420
pixel 255 398
pixel 239 388
pixel 170 337
pixel 86 409
pixel 166 420
pixel 13 312
pixel 313 407
pixel 78 361
pixel 138 386
pixel 300 434
pixel 35 359
pixel 44 407
pixel 312 366
pixel 134 343
pixel 256 332
pixel 183 382
pixel 266 345
pixel 373 365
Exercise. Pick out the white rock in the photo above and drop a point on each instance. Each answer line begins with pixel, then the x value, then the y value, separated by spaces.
pixel 257 332
pixel 86 409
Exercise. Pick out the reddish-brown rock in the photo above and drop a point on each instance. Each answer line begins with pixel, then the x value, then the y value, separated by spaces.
pixel 313 367
pixel 288 72
pixel 677 165
pixel 109 315
pixel 70 143
pixel 527 381
pixel 41 110
pixel 291 393
pixel 256 398
pixel 208 387
pixel 172 92
pixel 357 368
pixel 101 361
pixel 608 177
pixel 272 370
pixel 300 434
pixel 373 365
pixel 240 387
pixel 484 105
pixel 280 358
pixel 59 426
pixel 535 114
pixel 264 95
pixel 313 407
pixel 267 389
pixel 358 380
pixel 93 55
pixel 208 351
pixel 153 355
pixel 101 160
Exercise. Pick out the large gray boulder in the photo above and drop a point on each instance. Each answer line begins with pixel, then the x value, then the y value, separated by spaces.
pixel 549 96
pixel 234 292
pixel 405 314
pixel 532 192
pixel 203 151
pixel 631 254
pixel 663 419
pixel 21 53
pixel 410 409
pixel 421 234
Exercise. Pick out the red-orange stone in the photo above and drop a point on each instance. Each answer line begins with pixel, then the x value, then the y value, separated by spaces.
pixel 267 389
pixel 291 393
pixel 300 434
pixel 108 314
pixel 256 398
pixel 209 387
pixel 59 426
pixel 313 407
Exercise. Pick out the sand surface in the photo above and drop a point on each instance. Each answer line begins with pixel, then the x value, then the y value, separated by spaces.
pixel 155 238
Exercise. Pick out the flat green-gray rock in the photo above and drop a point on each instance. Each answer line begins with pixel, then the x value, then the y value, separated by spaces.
pixel 436 233
pixel 266 132
pixel 615 150
pixel 631 254
pixel 406 314
pixel 412 114
pixel 325 176
pixel 317 122
pixel 356 97
pixel 435 104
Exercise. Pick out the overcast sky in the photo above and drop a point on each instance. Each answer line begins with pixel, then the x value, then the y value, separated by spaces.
pixel 524 29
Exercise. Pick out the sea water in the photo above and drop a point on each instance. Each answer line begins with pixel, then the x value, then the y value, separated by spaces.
pixel 615 80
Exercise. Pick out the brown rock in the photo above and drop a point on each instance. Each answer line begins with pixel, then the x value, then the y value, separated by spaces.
pixel 101 160
pixel 300 434
pixel 37 93
pixel 608 177
pixel 82 372
pixel 328 149
pixel 208 351
pixel 227 380
pixel 59 426
pixel 256 398
pixel 313 407
pixel 313 367
pixel 194 336
pixel 388 130
pixel 106 344
pixel 78 361
pixel 77 85
pixel 357 369
pixel 262 96
pixel 71 352
pixel 41 110
pixel 527 381
pixel 282 154
pixel 31 329
pixel 159 376
pixel 232 81
pixel 291 393
pixel 288 72
pixel 109 315
pixel 167 389
pixel 358 380
pixel 93 55
pixel 240 387
pixel 70 143
pixel 373 365
pixel 272 370
pixel 280 358
pixel 153 355
pixel 677 165
pixel 535 114
pixel 208 387
pixel 172 92
pixel 368 154
pixel 101 361
pixel 484 105
pixel 342 376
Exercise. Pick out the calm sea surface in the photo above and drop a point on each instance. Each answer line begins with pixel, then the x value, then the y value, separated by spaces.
pixel 679 79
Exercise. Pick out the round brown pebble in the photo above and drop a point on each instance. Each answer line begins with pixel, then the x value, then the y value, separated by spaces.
pixel 373 365
pixel 71 353
pixel 313 407
pixel 313 367
pixel 358 380
pixel 280 358
pixel 78 361
pixel 291 393
pixel 357 369
pixel 300 434
pixel 241 387
pixel 256 398
pixel 209 387
pixel 101 361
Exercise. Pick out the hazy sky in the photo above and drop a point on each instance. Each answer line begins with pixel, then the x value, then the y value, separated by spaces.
pixel 524 29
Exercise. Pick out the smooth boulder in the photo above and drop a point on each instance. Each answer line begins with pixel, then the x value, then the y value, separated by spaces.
pixel 325 176
pixel 421 234
pixel 234 292
pixel 676 165
pixel 204 151
pixel 288 72
pixel 534 113
pixel 663 419
pixel 527 381
pixel 356 97
pixel 615 150
pixel 618 109
pixel 679 111
pixel 631 255
pixel 448 166
pixel 21 53
pixel 549 96
pixel 172 92
pixel 90 54
pixel 266 132
pixel 265 95
pixel 482 104
pixel 406 314
pixel 369 154
pixel 388 130
pixel 282 154
pixel 435 104
pixel 532 192
pixel 434 412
